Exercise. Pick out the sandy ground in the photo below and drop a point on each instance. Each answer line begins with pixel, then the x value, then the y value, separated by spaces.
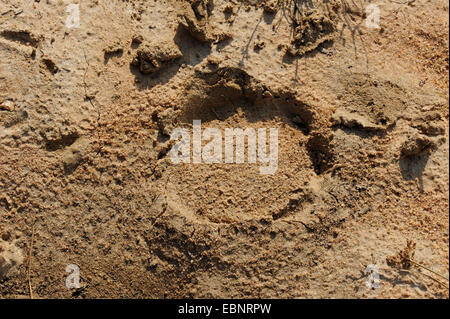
pixel 86 113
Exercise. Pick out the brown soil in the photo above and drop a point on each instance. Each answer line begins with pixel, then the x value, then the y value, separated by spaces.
pixel 363 168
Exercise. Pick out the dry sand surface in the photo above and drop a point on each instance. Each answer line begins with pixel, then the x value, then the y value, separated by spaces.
pixel 86 113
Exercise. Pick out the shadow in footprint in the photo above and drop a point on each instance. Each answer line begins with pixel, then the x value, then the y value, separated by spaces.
pixel 412 167
pixel 193 51
pixel 109 55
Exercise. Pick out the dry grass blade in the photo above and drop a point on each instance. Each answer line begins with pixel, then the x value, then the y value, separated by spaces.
pixel 437 274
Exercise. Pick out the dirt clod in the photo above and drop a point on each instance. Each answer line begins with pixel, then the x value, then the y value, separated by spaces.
pixel 150 58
